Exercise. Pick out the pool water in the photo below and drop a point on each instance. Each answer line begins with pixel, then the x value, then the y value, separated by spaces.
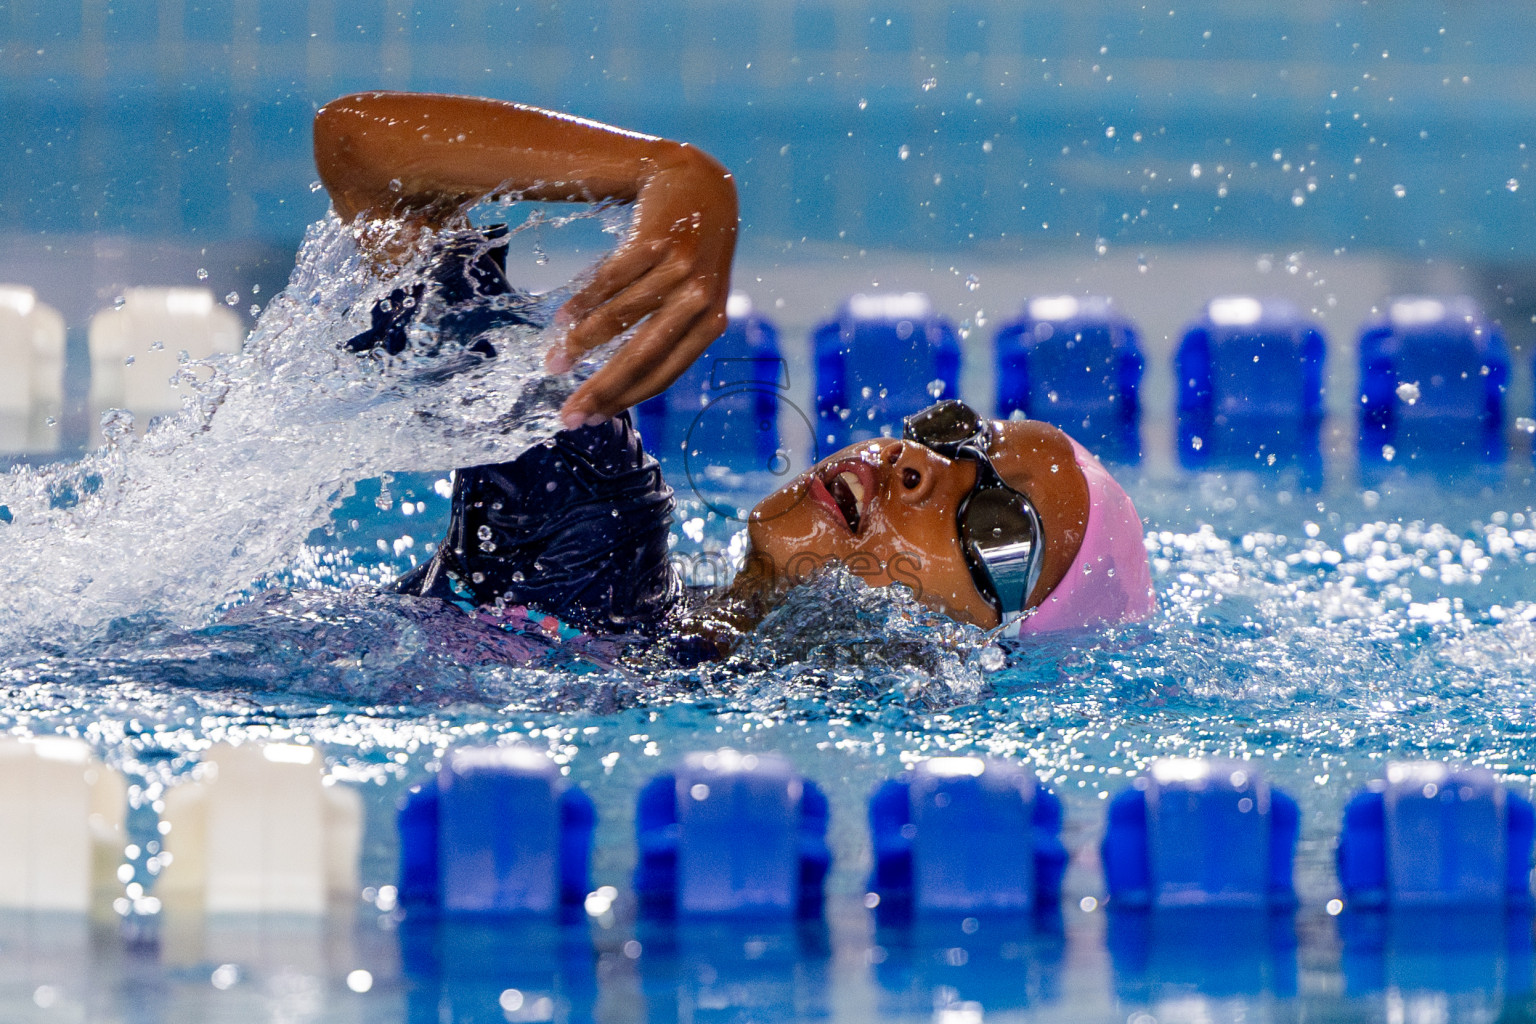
pixel 1318 631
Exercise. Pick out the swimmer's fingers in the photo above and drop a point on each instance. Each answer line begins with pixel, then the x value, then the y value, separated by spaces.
pixel 663 347
pixel 629 263
pixel 654 290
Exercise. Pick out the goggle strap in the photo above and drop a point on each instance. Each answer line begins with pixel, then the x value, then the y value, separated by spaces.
pixel 1012 624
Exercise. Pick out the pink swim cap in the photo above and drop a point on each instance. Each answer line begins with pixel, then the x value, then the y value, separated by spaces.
pixel 1109 581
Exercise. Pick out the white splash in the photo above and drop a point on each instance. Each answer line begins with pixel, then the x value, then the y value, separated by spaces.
pixel 192 515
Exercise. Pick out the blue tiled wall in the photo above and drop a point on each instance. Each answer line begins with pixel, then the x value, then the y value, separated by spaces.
pixel 190 117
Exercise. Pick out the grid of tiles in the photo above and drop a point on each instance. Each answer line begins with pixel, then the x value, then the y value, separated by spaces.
pixel 878 122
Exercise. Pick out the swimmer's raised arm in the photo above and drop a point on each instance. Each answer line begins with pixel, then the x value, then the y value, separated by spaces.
pixel 424 158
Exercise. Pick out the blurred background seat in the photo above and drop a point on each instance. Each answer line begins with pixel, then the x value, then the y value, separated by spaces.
pixel 1075 363
pixel 881 358
pixel 32 384
pixel 136 349
pixel 1250 378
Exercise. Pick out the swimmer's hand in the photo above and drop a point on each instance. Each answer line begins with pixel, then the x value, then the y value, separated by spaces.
pixel 671 275
pixel 420 161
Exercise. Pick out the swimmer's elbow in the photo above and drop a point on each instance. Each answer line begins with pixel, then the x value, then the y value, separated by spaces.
pixel 353 138
pixel 336 129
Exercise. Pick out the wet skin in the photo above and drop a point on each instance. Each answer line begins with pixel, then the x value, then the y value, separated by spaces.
pixel 886 510
pixel 399 163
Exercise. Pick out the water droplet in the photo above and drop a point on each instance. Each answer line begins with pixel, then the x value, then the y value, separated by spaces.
pixel 232 299
pixel 1109 132
pixel 477 577
pixel 929 84
pixel 972 282
pixel 315 186
pixel 484 533
pixel 1408 391
pixel 903 152
pixel 202 273
pixel 1298 199
pixel 1388 452
pixel 1525 424
pixel 1101 246
pixel 992 658
pixel 1197 443
pixel 1194 170
pixel 1513 184
pixel 935 388
pixel 518 577
pixel 1399 191
pixel 863 104
pixel 1055 468
pixel 986 146
pixel 865 392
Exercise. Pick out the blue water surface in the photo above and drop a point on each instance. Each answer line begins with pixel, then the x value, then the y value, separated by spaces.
pixel 1318 633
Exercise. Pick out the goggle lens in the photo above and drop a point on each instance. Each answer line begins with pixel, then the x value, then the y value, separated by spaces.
pixel 999 528
pixel 944 425
pixel 1005 539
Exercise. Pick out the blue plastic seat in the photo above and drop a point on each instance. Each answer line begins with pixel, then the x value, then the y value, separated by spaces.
pixel 1075 363
pixel 724 409
pixel 732 833
pixel 1432 379
pixel 496 832
pixel 1251 378
pixel 1435 835
pixel 882 358
pixel 1010 859
pixel 1200 833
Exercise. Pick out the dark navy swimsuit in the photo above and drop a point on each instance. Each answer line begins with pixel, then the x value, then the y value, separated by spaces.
pixel 576 527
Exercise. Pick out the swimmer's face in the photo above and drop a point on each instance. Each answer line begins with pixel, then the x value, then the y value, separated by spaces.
pixel 886 510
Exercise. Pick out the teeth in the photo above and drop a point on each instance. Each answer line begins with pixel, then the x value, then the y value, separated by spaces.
pixel 855 485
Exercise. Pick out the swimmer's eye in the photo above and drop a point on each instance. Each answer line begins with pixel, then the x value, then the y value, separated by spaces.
pixel 910 478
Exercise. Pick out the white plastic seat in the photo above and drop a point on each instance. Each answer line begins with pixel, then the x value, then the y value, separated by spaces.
pixel 32 384
pixel 153 327
pixel 259 831
pixel 61 826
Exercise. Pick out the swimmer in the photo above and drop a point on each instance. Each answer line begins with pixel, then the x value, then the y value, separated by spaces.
pixel 1009 525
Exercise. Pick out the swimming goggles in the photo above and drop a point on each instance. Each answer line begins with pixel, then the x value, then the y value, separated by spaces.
pixel 1000 530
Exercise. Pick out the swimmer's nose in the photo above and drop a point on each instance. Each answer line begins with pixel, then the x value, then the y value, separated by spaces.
pixel 912 472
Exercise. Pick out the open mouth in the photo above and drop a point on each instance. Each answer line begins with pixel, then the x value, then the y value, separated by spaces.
pixel 846 487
